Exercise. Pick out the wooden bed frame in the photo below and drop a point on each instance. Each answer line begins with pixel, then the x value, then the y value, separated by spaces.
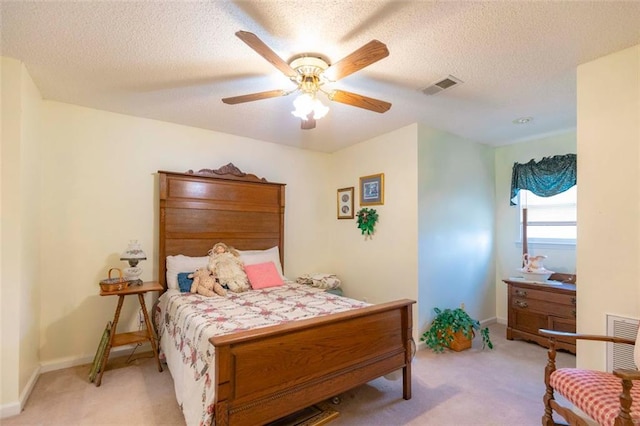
pixel 264 374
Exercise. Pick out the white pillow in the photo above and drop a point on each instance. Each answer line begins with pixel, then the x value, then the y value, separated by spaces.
pixel 181 263
pixel 253 257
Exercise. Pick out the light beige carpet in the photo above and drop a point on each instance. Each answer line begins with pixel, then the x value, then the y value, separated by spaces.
pixel 475 387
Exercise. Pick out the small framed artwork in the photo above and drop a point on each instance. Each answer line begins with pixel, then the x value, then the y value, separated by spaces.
pixel 345 203
pixel 372 190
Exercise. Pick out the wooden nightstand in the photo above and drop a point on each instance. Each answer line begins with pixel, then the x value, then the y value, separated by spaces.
pixel 120 339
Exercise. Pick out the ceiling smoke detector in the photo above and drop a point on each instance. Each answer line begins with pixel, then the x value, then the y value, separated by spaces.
pixel 446 83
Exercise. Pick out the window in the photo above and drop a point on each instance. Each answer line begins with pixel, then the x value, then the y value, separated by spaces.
pixel 550 219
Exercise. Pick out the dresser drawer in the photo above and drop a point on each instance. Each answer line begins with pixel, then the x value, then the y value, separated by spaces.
pixel 543 307
pixel 562 324
pixel 543 296
pixel 531 322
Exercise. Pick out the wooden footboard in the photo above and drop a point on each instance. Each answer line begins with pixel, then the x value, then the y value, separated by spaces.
pixel 264 374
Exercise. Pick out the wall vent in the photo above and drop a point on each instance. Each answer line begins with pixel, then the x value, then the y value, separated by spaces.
pixel 446 83
pixel 620 355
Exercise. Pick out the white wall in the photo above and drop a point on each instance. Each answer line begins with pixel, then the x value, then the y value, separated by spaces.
pixel 456 226
pixel 508 250
pixel 384 267
pixel 608 196
pixel 100 190
pixel 9 269
pixel 19 236
pixel 30 170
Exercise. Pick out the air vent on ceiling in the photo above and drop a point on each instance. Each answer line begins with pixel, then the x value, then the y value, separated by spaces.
pixel 446 83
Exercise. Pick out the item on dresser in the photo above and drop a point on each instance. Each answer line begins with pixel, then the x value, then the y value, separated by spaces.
pixel 533 263
pixel 536 276
pixel 533 269
pixel 533 306
pixel 320 280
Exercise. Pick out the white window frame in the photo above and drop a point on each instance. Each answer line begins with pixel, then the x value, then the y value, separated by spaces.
pixel 544 242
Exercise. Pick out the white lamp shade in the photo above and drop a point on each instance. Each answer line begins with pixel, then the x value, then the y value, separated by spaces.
pixel 133 252
pixel 306 104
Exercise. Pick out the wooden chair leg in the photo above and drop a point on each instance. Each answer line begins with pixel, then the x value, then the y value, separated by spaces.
pixel 624 416
pixel 547 418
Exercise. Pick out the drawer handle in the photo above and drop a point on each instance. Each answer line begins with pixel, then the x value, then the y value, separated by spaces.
pixel 521 304
pixel 573 300
pixel 521 293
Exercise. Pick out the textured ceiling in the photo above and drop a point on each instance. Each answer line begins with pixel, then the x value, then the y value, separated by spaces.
pixel 174 61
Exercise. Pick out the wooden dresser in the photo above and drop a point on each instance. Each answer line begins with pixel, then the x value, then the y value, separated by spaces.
pixel 534 306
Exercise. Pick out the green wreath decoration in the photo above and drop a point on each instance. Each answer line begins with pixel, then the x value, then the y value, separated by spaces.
pixel 367 219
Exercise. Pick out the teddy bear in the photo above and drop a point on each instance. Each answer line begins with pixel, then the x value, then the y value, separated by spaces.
pixel 204 283
pixel 225 262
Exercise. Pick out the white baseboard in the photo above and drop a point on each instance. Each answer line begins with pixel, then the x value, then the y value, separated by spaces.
pixel 68 362
pixel 488 321
pixel 10 410
pixel 14 408
pixel 421 346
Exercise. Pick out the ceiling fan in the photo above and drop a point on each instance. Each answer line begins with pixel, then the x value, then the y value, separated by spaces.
pixel 310 72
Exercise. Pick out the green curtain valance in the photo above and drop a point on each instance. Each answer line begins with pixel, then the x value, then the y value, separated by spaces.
pixel 549 176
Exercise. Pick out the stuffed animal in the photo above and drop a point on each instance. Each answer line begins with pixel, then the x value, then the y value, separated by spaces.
pixel 204 283
pixel 225 262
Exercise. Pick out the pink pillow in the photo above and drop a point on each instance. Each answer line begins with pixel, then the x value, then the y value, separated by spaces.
pixel 263 275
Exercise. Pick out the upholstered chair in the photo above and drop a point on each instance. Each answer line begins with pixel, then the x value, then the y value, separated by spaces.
pixel 607 398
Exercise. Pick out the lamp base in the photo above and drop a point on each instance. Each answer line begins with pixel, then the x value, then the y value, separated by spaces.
pixel 132 273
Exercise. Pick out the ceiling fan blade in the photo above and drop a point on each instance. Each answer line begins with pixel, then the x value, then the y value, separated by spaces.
pixel 309 123
pixel 254 97
pixel 360 58
pixel 263 50
pixel 359 101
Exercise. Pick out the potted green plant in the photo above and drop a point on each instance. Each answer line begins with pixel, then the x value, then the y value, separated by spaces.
pixel 454 329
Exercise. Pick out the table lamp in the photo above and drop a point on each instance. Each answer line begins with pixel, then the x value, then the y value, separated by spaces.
pixel 133 254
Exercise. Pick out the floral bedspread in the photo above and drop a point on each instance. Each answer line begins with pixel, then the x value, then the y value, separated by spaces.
pixel 186 321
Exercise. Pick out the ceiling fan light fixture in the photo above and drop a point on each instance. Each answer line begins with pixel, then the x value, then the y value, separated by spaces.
pixel 309 83
pixel 309 72
pixel 319 110
pixel 306 104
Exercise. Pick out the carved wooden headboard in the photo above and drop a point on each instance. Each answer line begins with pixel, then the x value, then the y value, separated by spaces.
pixel 199 209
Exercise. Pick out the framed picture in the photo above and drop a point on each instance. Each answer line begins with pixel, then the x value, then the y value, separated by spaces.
pixel 345 203
pixel 372 190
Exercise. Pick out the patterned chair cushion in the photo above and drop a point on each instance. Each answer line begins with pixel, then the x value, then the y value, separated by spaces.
pixel 596 393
